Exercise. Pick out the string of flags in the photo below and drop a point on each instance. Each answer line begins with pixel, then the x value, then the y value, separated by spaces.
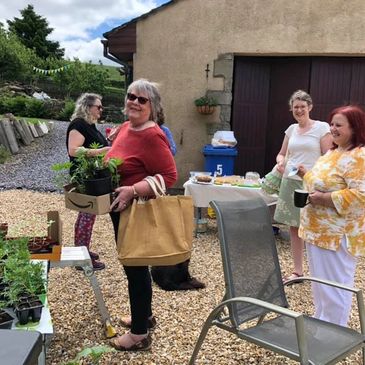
pixel 51 72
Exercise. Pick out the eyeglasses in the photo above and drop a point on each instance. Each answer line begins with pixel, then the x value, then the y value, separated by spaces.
pixel 141 99
pixel 99 107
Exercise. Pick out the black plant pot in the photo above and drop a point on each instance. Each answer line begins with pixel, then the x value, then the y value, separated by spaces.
pixel 102 173
pixel 3 287
pixel 6 320
pixel 98 187
pixel 35 310
pixel 22 312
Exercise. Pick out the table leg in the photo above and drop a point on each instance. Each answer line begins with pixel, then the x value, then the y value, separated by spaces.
pixel 200 223
pixel 109 329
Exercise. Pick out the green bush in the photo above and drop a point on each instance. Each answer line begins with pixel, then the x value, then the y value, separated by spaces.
pixel 67 110
pixel 26 107
pixel 16 105
pixel 35 108
pixel 4 154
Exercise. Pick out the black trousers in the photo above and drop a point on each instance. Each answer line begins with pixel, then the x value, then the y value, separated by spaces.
pixel 139 289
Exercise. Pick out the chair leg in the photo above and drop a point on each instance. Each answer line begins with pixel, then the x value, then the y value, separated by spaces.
pixel 200 341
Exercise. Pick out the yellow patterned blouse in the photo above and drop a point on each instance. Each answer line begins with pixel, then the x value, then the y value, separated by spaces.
pixel 343 174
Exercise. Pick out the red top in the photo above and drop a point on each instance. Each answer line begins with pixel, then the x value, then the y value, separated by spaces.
pixel 144 153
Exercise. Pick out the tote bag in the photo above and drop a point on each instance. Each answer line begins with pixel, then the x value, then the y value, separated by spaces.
pixel 156 232
pixel 271 182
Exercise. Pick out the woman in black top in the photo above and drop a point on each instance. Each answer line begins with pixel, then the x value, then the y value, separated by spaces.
pixel 82 132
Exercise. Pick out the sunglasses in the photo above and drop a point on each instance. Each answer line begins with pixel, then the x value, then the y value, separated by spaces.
pixel 99 107
pixel 141 99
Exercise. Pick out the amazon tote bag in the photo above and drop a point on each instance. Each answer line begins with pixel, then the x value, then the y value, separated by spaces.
pixel 156 232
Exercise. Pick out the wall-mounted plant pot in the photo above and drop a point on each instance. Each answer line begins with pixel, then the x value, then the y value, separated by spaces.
pixel 205 109
pixel 97 187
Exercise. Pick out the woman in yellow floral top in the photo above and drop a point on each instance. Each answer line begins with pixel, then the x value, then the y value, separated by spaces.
pixel 333 224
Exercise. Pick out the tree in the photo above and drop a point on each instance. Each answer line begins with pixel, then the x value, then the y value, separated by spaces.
pixel 16 60
pixel 81 77
pixel 33 30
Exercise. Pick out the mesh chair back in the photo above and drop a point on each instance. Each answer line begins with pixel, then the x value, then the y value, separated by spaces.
pixel 250 261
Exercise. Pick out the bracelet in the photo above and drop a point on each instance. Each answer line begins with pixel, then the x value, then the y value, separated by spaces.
pixel 135 194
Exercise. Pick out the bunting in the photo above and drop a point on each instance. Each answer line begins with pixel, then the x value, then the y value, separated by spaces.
pixel 51 72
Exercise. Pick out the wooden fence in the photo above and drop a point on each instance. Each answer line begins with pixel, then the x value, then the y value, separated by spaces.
pixel 16 133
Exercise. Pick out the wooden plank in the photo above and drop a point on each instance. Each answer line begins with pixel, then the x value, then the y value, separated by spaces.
pixel 38 129
pixel 27 130
pixel 3 139
pixel 33 130
pixel 10 136
pixel 24 138
pixel 43 127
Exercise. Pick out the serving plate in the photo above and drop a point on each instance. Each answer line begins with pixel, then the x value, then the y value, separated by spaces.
pixel 202 182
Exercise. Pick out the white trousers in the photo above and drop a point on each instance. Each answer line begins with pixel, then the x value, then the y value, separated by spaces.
pixel 332 304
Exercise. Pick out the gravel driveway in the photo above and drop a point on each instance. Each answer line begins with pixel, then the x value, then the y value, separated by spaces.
pixel 31 167
pixel 76 320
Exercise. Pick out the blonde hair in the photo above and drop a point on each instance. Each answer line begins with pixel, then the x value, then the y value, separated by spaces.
pixel 300 95
pixel 82 107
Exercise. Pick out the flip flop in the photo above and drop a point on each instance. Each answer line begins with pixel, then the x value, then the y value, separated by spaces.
pixel 142 345
pixel 294 275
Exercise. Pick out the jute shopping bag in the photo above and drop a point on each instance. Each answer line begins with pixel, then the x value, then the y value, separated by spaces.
pixel 158 231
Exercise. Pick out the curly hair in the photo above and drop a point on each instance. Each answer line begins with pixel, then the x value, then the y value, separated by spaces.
pixel 82 107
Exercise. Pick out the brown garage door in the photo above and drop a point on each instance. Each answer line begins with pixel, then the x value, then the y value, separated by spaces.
pixel 262 86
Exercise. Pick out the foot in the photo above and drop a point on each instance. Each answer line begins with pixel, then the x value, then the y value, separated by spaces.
pixel 294 275
pixel 191 284
pixel 94 255
pixel 98 265
pixel 127 322
pixel 132 342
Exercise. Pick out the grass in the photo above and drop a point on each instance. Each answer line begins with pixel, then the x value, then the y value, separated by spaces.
pixel 113 72
pixel 29 120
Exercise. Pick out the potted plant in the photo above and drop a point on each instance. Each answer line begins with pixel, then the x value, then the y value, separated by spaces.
pixel 93 175
pixel 206 104
pixel 25 280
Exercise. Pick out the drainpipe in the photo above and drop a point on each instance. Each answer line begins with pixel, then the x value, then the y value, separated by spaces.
pixel 125 67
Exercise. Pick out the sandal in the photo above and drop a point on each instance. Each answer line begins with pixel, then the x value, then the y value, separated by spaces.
pixel 127 322
pixel 291 278
pixel 140 345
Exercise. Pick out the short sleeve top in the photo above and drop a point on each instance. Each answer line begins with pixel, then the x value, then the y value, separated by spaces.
pixel 304 149
pixel 342 173
pixel 88 131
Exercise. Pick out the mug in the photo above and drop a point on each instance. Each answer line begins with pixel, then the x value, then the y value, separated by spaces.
pixel 300 198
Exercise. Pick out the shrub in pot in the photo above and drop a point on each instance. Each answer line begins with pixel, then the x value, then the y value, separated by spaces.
pixel 25 280
pixel 91 175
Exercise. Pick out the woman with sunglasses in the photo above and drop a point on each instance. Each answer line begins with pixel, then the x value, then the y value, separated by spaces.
pixel 82 132
pixel 145 151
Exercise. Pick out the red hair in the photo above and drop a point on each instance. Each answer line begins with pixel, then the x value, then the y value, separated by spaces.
pixel 356 118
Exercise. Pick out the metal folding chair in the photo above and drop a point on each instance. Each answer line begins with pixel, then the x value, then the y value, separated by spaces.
pixel 254 288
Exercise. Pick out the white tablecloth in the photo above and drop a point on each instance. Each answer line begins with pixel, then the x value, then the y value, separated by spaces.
pixel 203 194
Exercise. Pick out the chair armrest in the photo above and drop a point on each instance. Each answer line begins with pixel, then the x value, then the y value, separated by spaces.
pixel 297 317
pixel 325 282
pixel 358 292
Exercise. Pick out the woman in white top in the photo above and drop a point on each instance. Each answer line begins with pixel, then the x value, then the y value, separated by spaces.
pixel 304 142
